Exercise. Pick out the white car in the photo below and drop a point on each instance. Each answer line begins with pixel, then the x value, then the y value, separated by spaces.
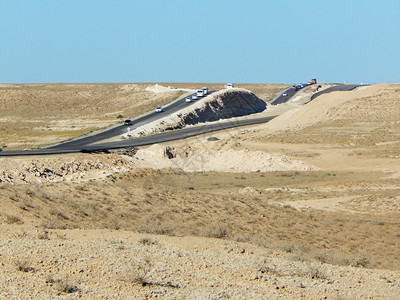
pixel 229 86
pixel 200 93
pixel 284 94
pixel 205 90
pixel 194 97
pixel 188 100
pixel 159 109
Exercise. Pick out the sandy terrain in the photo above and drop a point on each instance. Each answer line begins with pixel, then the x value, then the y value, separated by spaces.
pixel 305 206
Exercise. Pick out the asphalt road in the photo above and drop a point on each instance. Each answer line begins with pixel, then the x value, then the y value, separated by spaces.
pixel 343 87
pixel 83 144
pixel 121 129
pixel 290 92
pixel 147 140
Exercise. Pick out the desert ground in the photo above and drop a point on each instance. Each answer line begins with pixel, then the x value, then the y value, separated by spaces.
pixel 305 206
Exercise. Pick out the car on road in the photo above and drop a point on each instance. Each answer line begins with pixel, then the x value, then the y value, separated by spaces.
pixel 298 86
pixel 128 122
pixel 200 93
pixel 284 94
pixel 205 90
pixel 194 97
pixel 159 109
pixel 188 100
pixel 229 86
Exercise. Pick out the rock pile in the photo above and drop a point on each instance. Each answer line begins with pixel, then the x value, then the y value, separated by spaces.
pixel 225 104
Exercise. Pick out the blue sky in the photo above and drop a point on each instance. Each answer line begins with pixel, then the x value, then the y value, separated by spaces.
pixel 253 41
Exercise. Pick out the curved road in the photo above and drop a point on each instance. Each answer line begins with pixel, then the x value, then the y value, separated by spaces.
pixel 336 88
pixel 121 129
pixel 290 92
pixel 84 144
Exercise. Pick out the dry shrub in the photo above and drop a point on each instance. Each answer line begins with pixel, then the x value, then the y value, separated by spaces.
pixel 288 248
pixel 241 237
pixel 336 258
pixel 148 241
pixel 58 214
pixel 21 235
pixel 214 231
pixel 138 273
pixel 43 235
pixel 54 224
pixel 155 226
pixel 65 286
pixel 13 220
pixel 361 260
pixel 316 273
pixel 264 269
pixel 23 266
pixel 62 285
pixel 261 241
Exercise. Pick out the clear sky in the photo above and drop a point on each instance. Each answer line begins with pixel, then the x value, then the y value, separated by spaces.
pixel 247 41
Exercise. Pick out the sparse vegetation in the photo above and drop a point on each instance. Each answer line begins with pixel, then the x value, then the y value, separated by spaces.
pixel 308 235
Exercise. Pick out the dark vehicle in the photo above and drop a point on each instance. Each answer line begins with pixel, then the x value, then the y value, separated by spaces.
pixel 128 123
pixel 298 86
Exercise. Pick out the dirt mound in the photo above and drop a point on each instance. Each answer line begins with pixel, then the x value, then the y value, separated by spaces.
pixel 223 105
pixel 190 159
